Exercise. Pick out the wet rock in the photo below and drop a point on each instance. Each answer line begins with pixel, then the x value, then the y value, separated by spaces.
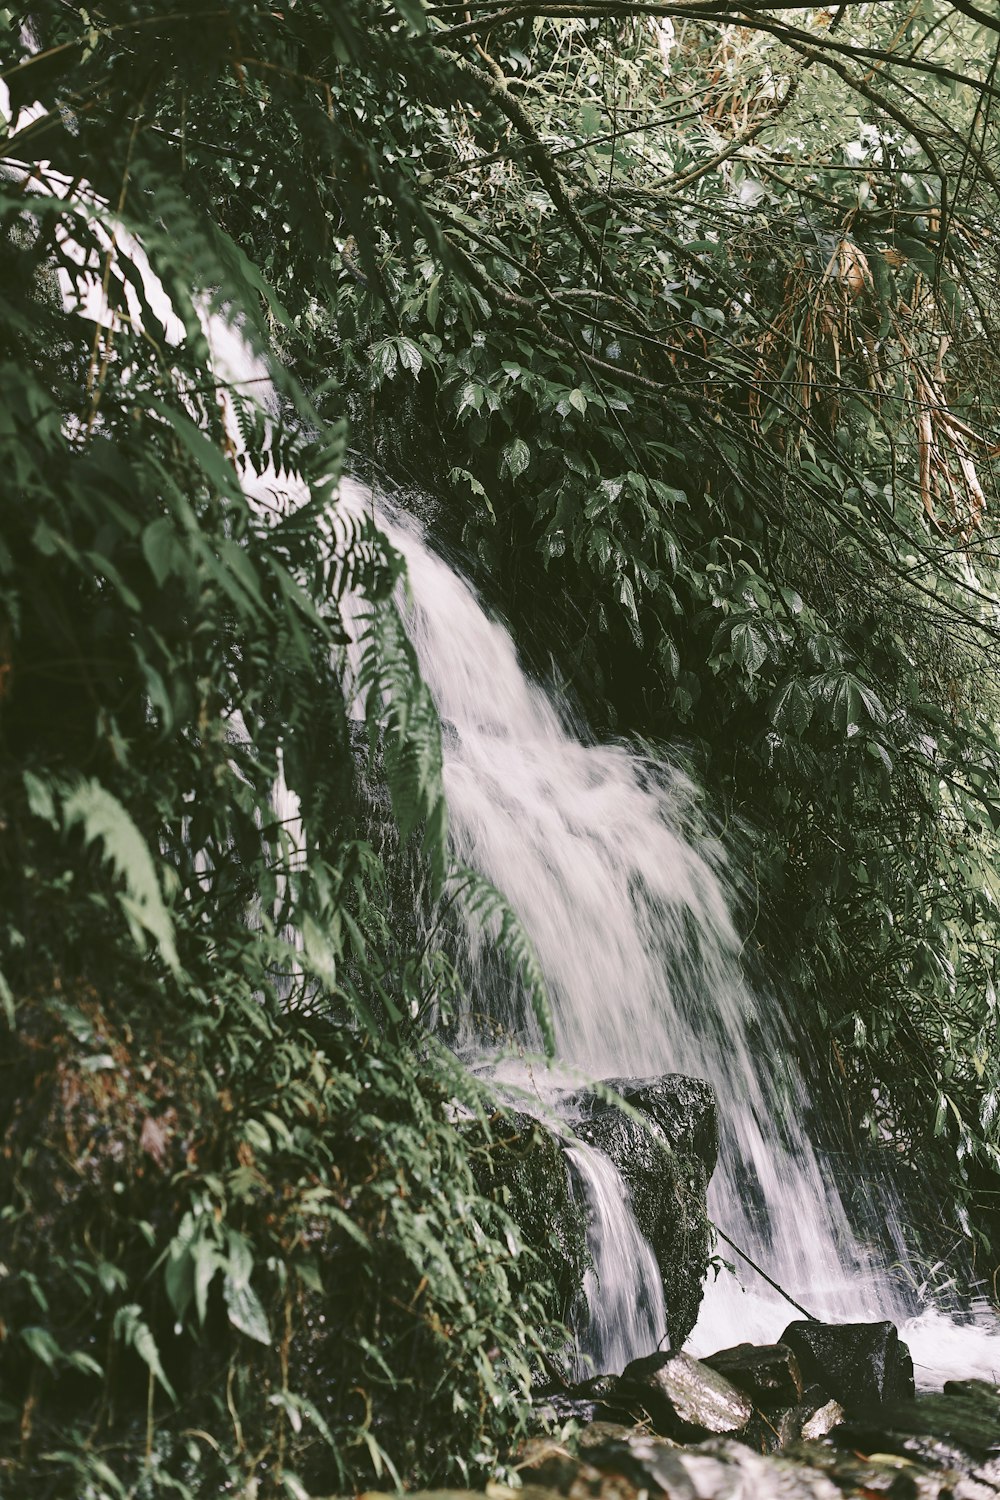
pixel 684 1398
pixel 523 1167
pixel 682 1109
pixel 544 1462
pixel 944 1446
pixel 719 1469
pixel 601 1436
pixel 813 1418
pixel 592 1401
pixel 956 1431
pixel 768 1373
pixel 822 1421
pixel 875 1476
pixel 860 1364
pixel 558 1408
pixel 739 1474
pixel 665 1158
pixel 549 1469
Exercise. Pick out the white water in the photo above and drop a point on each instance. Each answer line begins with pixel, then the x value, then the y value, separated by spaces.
pixel 624 1292
pixel 626 902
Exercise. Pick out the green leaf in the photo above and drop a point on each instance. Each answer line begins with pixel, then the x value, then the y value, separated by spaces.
pixel 410 355
pixel 130 1326
pixel 42 1345
pixel 245 1311
pixel 515 457
pixel 163 550
pixel 434 300
pixel 242 1303
pixel 255 288
pixel 7 1002
pixel 106 821
pixel 791 707
pixel 413 13
pixel 41 798
pixel 749 647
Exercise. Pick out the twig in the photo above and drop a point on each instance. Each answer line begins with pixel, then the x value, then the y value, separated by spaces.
pixel 761 1272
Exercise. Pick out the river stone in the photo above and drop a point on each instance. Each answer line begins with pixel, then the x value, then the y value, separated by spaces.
pixel 860 1364
pixel 587 1401
pixel 813 1418
pixel 957 1429
pixel 665 1159
pixel 685 1399
pixel 719 1469
pixel 768 1373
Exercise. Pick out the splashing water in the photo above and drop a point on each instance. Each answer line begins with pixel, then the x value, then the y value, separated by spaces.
pixel 626 904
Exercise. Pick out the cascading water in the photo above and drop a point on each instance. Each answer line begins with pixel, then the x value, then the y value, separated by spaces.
pixel 629 915
pixel 628 912
pixel 624 1292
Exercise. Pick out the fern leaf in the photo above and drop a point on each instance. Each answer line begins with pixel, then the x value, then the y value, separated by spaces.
pixel 106 821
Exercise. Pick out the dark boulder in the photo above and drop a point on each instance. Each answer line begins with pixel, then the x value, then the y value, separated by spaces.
pixel 585 1401
pixel 682 1109
pixel 768 1373
pixel 860 1364
pixel 665 1153
pixel 957 1429
pixel 684 1399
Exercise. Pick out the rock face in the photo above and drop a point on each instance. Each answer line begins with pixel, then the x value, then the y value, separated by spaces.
pixel 682 1109
pixel 862 1365
pixel 666 1158
pixel 685 1399
pixel 524 1167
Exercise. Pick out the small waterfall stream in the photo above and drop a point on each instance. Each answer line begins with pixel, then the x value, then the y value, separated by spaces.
pixel 627 905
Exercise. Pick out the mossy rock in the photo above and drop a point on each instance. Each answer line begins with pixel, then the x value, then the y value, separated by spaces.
pixel 666 1159
pixel 523 1167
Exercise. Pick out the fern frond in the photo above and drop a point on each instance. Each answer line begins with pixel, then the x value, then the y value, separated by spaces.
pixel 403 724
pixel 105 821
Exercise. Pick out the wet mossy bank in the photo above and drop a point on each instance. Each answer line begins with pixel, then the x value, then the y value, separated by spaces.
pixel 660 1134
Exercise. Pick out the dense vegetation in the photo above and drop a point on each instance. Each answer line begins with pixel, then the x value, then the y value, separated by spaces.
pixel 694 312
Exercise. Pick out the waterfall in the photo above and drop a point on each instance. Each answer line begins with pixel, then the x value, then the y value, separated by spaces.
pixel 626 900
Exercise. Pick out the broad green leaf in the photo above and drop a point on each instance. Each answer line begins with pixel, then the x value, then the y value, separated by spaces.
pixel 749 647
pixel 516 457
pixel 131 1327
pixel 42 1345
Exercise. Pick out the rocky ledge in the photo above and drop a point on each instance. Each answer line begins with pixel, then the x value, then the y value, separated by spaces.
pixel 828 1411
pixel 664 1144
pixel 748 1424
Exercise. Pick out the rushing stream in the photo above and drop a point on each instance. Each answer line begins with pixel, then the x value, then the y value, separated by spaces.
pixel 628 910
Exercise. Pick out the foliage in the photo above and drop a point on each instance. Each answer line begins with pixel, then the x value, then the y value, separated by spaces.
pixel 710 350
pixel 206 1213
pixel 241 1236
